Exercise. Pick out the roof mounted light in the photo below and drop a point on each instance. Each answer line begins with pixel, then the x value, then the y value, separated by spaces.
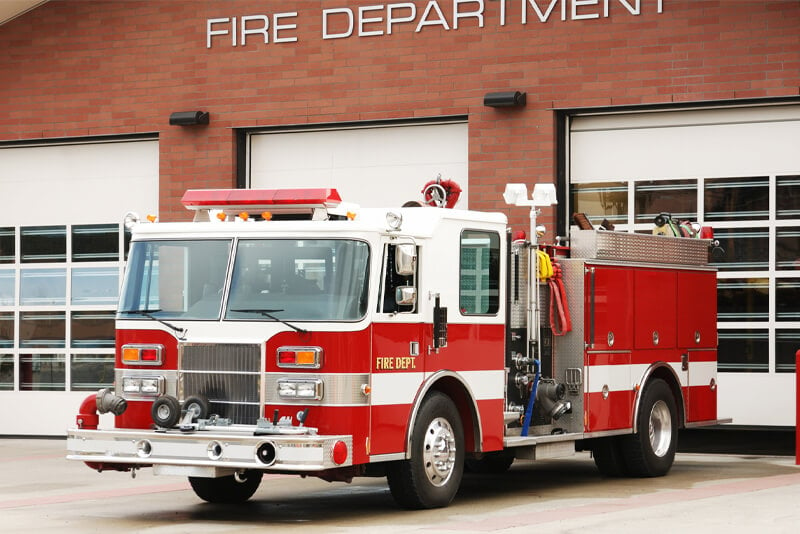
pixel 130 220
pixel 394 221
pixel 543 195
pixel 305 203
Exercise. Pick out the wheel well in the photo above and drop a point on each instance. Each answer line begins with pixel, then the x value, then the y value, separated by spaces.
pixel 665 373
pixel 458 393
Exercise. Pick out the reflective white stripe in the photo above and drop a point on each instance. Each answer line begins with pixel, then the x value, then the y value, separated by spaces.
pixel 625 377
pixel 701 373
pixel 401 388
pixel 395 388
pixel 486 385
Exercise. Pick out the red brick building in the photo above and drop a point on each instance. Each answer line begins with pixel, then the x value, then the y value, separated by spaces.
pixel 632 107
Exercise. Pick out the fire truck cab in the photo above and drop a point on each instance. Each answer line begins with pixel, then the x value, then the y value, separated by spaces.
pixel 283 331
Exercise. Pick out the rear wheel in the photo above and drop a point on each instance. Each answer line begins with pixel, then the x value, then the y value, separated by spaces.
pixel 431 477
pixel 651 451
pixel 232 489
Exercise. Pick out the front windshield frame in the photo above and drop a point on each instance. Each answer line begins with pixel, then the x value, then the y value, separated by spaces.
pixel 332 293
pixel 192 289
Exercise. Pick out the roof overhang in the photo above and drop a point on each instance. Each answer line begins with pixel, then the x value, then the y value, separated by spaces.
pixel 11 9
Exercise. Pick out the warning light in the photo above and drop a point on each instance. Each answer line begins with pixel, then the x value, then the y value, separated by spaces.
pixel 351 216
pixel 267 216
pixel 308 357
pixel 243 215
pixel 152 218
pixel 142 354
pixel 221 216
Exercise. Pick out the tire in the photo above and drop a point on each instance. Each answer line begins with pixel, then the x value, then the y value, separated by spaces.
pixel 431 477
pixel 608 458
pixel 166 411
pixel 651 451
pixel 232 489
pixel 198 405
pixel 491 463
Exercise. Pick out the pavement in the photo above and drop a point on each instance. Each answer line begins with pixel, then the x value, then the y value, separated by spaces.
pixel 40 491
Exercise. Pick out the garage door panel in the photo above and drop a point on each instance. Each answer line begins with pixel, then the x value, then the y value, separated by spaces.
pixel 369 166
pixel 682 144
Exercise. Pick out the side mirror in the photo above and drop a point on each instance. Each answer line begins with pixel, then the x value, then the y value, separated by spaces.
pixel 405 295
pixel 405 259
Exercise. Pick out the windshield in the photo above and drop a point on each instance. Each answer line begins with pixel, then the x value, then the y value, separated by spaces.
pixel 299 280
pixel 175 279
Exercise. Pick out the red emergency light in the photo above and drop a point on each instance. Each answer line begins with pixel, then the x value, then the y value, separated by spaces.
pixel 306 202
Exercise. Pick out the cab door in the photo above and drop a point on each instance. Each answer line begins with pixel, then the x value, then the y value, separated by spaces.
pixel 399 345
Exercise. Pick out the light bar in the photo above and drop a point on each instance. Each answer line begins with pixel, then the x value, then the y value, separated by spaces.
pixel 260 199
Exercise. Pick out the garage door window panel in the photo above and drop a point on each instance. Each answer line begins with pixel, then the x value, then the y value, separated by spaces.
pixel 8 245
pixel 42 329
pixel 43 244
pixel 6 372
pixel 95 242
pixel 788 197
pixel 677 197
pixel 92 329
pixel 43 287
pixel 90 372
pixel 787 343
pixel 95 286
pixel 787 249
pixel 8 278
pixel 736 199
pixel 7 329
pixel 743 299
pixel 743 350
pixel 601 201
pixel 746 249
pixel 42 372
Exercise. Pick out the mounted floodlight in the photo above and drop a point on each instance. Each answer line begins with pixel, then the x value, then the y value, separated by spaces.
pixel 544 195
pixel 516 195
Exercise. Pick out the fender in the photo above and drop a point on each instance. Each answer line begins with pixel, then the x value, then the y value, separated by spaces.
pixel 428 385
pixel 644 382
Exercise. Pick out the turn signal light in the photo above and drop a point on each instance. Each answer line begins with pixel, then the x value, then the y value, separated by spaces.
pixel 307 357
pixel 142 354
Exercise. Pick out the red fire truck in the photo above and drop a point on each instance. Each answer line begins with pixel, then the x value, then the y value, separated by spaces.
pixel 285 332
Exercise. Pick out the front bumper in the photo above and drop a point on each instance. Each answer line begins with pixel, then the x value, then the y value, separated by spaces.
pixel 223 448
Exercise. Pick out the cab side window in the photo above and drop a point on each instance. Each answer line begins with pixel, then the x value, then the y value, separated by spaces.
pixel 479 273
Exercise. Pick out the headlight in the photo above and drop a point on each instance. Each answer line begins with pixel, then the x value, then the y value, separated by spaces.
pixel 148 386
pixel 300 389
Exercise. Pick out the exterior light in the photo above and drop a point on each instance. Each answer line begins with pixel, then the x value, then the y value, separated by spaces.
pixel 394 220
pixel 188 118
pixel 544 195
pixel 505 99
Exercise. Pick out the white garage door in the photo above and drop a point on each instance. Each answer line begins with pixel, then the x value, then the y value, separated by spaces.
pixel 376 166
pixel 61 257
pixel 738 170
pixel 96 182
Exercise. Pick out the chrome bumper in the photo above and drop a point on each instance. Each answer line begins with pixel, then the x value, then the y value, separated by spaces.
pixel 224 448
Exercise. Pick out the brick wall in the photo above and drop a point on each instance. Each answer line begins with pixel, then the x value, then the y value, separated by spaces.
pixel 78 68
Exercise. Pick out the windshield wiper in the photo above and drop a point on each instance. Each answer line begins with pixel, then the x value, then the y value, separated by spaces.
pixel 149 314
pixel 268 313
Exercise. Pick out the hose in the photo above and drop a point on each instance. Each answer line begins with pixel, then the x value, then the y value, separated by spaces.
pixel 560 321
pixel 526 423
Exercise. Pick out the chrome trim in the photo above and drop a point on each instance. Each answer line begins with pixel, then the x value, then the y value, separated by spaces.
pixel 426 386
pixel 340 389
pixel 231 447
pixel 170 381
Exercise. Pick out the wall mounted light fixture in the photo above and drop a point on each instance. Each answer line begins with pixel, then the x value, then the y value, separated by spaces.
pixel 505 99
pixel 188 118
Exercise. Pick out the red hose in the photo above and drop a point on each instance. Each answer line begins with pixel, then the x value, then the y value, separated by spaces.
pixel 560 321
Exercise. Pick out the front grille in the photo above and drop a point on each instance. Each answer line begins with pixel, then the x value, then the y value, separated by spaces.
pixel 227 375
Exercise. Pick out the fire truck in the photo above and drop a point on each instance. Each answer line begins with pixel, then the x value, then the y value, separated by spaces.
pixel 284 331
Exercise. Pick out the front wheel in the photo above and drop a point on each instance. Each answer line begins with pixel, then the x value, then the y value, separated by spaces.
pixel 651 451
pixel 431 477
pixel 232 489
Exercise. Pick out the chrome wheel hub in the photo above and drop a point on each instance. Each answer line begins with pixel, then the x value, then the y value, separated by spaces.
pixel 660 428
pixel 439 452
